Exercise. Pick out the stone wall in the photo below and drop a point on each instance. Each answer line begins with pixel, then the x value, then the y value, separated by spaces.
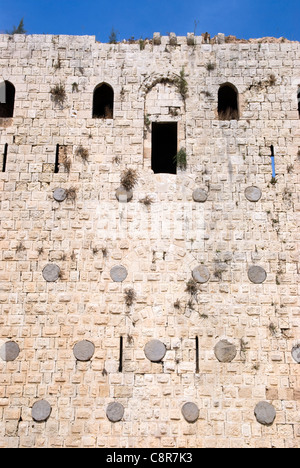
pixel 224 336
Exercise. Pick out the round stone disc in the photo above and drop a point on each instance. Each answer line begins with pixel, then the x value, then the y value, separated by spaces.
pixel 253 194
pixel 51 272
pixel 257 274
pixel 190 412
pixel 41 411
pixel 201 274
pixel 84 350
pixel 225 351
pixel 296 353
pixel 265 413
pixel 60 194
pixel 118 273
pixel 200 195
pixel 155 350
pixel 9 351
pixel 123 195
pixel 115 412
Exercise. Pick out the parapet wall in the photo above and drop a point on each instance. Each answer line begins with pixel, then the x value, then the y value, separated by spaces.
pixel 209 256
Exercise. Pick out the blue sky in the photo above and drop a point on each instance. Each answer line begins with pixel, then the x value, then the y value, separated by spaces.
pixel 141 18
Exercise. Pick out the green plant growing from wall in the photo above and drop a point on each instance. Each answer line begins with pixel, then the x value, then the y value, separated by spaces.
pixel 18 30
pixel 182 84
pixel 113 37
pixel 181 159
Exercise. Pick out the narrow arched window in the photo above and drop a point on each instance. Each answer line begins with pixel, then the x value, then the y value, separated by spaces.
pixel 228 102
pixel 103 102
pixel 298 96
pixel 7 99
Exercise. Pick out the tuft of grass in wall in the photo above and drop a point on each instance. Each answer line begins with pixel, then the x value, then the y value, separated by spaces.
pixel 273 181
pixel 57 65
pixel 40 250
pixel 273 329
pixel 58 93
pixel 104 252
pixel 129 179
pixel 142 43
pixel 20 247
pixel 181 159
pixel 182 84
pixel 75 88
pixel 130 297
pixel 67 163
pixel 71 193
pixel 113 37
pixel 83 153
pixel 192 287
pixel 210 66
pixel 147 200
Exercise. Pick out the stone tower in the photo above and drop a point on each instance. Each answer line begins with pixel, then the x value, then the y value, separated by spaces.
pixel 149 274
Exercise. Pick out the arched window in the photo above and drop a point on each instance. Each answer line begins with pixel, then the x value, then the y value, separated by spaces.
pixel 298 96
pixel 7 99
pixel 228 102
pixel 103 102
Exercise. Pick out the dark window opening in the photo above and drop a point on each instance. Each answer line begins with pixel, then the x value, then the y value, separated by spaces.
pixel 103 102
pixel 298 96
pixel 121 355
pixel 56 166
pixel 228 102
pixel 4 157
pixel 7 99
pixel 164 148
pixel 197 356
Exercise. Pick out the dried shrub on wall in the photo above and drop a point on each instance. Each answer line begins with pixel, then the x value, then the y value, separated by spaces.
pixel 58 93
pixel 129 179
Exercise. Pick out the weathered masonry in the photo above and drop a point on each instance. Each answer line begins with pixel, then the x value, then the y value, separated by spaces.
pixel 149 262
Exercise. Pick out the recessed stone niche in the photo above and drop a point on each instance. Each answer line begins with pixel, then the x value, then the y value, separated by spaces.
pixel 155 351
pixel 115 412
pixel 253 194
pixel 118 273
pixel 41 411
pixel 60 194
pixel 51 272
pixel 257 274
pixel 225 351
pixel 296 353
pixel 201 274
pixel 190 412
pixel 200 195
pixel 265 413
pixel 9 351
pixel 123 195
pixel 84 350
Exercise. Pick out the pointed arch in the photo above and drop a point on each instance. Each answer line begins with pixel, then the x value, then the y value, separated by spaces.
pixel 103 101
pixel 7 99
pixel 228 102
